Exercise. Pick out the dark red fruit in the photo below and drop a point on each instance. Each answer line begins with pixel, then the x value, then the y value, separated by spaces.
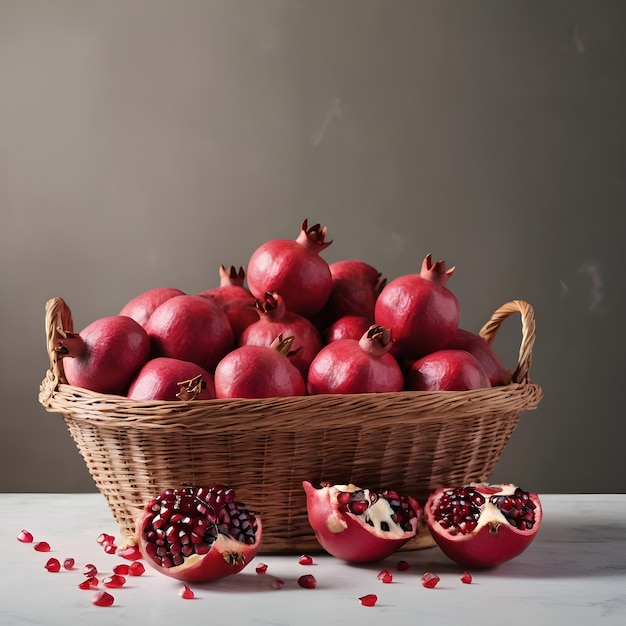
pixel 430 580
pixel 53 565
pixel 307 581
pixel 42 546
pixel 102 598
pixel 25 537
pixel 368 600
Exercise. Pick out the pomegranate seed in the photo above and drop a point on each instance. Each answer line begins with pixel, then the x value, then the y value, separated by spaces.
pixel 131 553
pixel 105 538
pixel 53 565
pixel 369 599
pixel 466 578
pixel 25 537
pixel 69 563
pixel 385 576
pixel 122 569
pixel 307 581
pixel 402 566
pixel 261 568
pixel 102 598
pixel 89 583
pixel 186 593
pixel 42 546
pixel 90 570
pixel 114 582
pixel 136 568
pixel 305 559
pixel 110 548
pixel 277 583
pixel 430 580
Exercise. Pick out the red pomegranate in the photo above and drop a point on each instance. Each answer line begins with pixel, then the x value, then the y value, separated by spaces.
pixel 482 350
pixel 167 379
pixel 293 268
pixel 446 370
pixel 483 525
pixel 198 534
pixel 140 307
pixel 422 313
pixel 356 366
pixel 190 328
pixel 105 356
pixel 273 320
pixel 347 327
pixel 360 525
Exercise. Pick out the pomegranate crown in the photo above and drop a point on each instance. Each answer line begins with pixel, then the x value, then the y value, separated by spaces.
pixel 232 276
pixel 271 305
pixel 436 272
pixel 315 236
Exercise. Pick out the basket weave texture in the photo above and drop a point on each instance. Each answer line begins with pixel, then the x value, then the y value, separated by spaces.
pixel 410 441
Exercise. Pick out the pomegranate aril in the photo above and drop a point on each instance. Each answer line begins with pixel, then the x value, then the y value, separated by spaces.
pixel 90 570
pixel 131 553
pixel 105 538
pixel 114 582
pixel 69 564
pixel 122 569
pixel 402 566
pixel 261 568
pixel 368 600
pixel 110 548
pixel 306 559
pixel 186 593
pixel 42 546
pixel 307 581
pixel 466 578
pixel 136 568
pixel 25 537
pixel 385 576
pixel 102 598
pixel 430 580
pixel 53 565
pixel 88 583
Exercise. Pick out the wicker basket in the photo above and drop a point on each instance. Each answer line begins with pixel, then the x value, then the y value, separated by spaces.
pixel 412 441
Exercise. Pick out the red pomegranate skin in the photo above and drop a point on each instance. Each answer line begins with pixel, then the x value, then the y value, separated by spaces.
pixel 446 370
pixel 140 307
pixel 160 379
pixel 347 327
pixel 190 328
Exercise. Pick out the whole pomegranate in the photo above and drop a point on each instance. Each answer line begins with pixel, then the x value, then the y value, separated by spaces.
pixel 360 525
pixel 164 378
pixel 356 366
pixel 105 356
pixel 140 307
pixel 293 268
pixel 482 525
pixel 446 370
pixel 190 328
pixel 347 327
pixel 273 320
pixel 422 313
pixel 259 372
pixel 198 534
pixel 235 300
pixel 481 349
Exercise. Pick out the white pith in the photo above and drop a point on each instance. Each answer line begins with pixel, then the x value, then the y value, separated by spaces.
pixel 490 514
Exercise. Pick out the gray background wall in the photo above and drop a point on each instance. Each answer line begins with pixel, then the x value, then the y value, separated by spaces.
pixel 143 143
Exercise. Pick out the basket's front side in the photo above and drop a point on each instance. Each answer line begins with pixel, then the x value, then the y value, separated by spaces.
pixel 411 442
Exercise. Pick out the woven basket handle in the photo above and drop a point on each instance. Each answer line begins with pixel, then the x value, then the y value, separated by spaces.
pixel 490 329
pixel 58 319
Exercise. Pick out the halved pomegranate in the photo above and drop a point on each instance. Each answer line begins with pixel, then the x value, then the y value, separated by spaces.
pixel 360 525
pixel 198 534
pixel 482 525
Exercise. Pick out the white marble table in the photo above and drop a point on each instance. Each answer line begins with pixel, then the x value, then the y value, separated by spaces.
pixel 574 573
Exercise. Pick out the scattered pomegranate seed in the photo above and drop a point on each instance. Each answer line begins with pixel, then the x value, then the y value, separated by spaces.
pixel 186 593
pixel 368 600
pixel 105 538
pixel 89 583
pixel 277 583
pixel 90 570
pixel 402 566
pixel 385 576
pixel 430 580
pixel 136 568
pixel 102 598
pixel 131 553
pixel 466 578
pixel 261 568
pixel 122 569
pixel 306 559
pixel 110 548
pixel 42 546
pixel 53 565
pixel 307 581
pixel 25 537
pixel 114 582
pixel 69 564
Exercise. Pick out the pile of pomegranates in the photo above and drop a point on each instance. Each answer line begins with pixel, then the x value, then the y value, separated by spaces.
pixel 349 330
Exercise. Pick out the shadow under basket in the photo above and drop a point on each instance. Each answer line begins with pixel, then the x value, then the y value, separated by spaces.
pixel 413 442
